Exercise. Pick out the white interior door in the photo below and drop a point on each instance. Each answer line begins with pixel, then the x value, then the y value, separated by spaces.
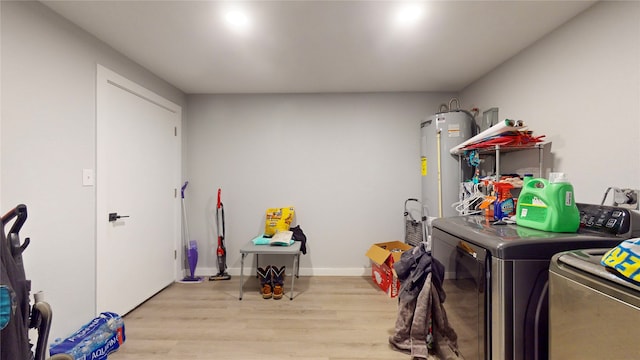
pixel 137 174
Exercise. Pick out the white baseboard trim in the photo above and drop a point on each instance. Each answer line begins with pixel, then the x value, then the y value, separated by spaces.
pixel 363 271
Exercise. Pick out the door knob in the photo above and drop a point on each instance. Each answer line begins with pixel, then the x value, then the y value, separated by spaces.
pixel 115 216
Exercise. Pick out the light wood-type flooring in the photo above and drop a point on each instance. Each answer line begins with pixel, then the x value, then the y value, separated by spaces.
pixel 329 318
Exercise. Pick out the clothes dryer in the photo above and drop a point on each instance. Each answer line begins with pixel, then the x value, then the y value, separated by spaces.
pixel 496 277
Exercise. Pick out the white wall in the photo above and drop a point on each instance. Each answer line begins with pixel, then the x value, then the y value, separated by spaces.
pixel 347 162
pixel 580 86
pixel 48 137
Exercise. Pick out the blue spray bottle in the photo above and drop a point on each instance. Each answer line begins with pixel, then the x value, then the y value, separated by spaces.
pixel 503 206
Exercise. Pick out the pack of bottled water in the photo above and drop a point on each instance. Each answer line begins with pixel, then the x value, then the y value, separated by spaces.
pixel 93 341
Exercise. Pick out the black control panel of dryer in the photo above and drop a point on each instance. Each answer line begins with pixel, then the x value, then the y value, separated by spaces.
pixel 609 220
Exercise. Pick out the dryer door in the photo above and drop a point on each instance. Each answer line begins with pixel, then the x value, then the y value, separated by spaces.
pixel 466 289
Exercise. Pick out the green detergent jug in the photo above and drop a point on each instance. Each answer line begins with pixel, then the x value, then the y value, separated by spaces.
pixel 548 205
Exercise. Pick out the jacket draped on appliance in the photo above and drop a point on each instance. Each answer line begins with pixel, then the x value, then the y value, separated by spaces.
pixel 422 329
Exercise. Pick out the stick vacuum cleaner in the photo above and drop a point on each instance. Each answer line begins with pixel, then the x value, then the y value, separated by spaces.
pixel 221 252
pixel 190 246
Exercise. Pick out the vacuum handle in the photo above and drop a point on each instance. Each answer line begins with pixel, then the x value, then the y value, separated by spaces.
pixel 184 187
pixel 219 202
pixel 20 212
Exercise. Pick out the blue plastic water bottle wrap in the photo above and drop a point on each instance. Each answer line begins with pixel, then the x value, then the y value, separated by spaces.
pixel 93 341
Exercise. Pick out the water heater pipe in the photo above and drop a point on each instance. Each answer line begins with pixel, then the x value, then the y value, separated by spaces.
pixel 438 132
pixel 457 104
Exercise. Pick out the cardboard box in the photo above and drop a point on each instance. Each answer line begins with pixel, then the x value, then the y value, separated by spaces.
pixel 383 256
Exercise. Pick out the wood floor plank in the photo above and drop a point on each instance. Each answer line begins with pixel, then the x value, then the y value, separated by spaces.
pixel 330 318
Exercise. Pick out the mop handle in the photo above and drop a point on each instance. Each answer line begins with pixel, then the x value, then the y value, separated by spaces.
pixel 184 187
pixel 219 203
pixel 184 213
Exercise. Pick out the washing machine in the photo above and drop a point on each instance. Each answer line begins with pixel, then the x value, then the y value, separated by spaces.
pixel 496 277
pixel 594 313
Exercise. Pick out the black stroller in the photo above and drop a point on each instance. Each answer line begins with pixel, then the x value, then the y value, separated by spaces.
pixel 17 316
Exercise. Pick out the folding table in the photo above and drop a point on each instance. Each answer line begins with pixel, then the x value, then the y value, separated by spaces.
pixel 292 250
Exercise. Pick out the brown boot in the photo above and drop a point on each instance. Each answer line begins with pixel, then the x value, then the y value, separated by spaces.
pixel 277 276
pixel 266 284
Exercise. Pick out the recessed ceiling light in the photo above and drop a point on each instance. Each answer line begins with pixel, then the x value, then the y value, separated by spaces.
pixel 408 14
pixel 237 19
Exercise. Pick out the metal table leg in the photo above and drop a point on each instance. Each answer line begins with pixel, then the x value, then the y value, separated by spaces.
pixel 241 274
pixel 294 274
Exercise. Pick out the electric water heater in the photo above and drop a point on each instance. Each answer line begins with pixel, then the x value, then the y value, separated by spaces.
pixel 442 172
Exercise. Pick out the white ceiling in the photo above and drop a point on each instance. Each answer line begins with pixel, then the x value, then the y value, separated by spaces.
pixel 318 46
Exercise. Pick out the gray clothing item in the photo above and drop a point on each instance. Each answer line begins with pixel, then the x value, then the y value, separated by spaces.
pixel 416 315
pixel 421 339
pixel 412 270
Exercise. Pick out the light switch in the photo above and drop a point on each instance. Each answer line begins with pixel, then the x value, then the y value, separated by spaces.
pixel 87 177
